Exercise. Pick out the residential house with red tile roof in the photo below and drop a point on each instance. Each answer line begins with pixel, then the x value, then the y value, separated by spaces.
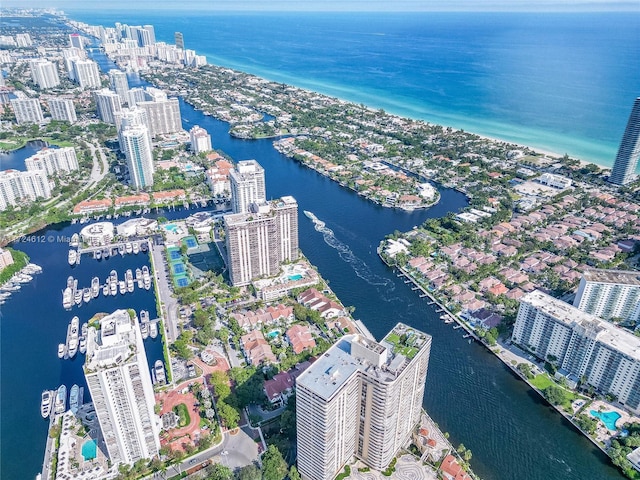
pixel 300 338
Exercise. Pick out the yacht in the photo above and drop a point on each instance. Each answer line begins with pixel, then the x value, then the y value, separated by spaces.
pixel 144 330
pixel 85 329
pixel 146 277
pixel 61 399
pixel 113 288
pixel 113 276
pixel 72 257
pixel 144 316
pixel 74 398
pixel 122 287
pixel 72 338
pixel 62 349
pixel 86 295
pixel 129 279
pixel 105 289
pixel 121 249
pixel 75 240
pixel 98 254
pixel 67 298
pixel 144 247
pixel 136 248
pixel 77 297
pixel 128 247
pixel 153 329
pixel 106 254
pixel 158 369
pixel 46 403
pixel 95 287
pixel 83 345
pixel 138 277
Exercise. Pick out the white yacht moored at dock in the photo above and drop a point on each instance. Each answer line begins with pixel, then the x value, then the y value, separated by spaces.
pixel 46 403
pixel 72 257
pixel 61 399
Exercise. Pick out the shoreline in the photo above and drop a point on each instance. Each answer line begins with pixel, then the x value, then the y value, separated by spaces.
pixel 500 348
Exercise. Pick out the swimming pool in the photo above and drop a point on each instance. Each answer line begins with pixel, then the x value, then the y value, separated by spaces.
pixel 89 450
pixel 295 277
pixel 608 418
pixel 171 227
pixel 273 333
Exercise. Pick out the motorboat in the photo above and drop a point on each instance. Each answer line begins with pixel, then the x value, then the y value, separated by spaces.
pixel 86 295
pixel 62 349
pixel 75 240
pixel 121 249
pixel 72 257
pixel 153 330
pixel 122 286
pixel 72 338
pixel 67 298
pixel 74 398
pixel 61 399
pixel 46 403
pixel 158 369
pixel 144 330
pixel 128 248
pixel 77 297
pixel 136 248
pixel 95 287
pixel 129 279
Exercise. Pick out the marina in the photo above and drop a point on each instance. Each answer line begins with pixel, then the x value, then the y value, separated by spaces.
pixel 72 294
pixel 25 275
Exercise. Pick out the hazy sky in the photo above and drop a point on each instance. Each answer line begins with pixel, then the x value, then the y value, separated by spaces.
pixel 336 5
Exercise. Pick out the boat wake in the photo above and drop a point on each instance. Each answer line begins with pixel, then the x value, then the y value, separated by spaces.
pixel 358 265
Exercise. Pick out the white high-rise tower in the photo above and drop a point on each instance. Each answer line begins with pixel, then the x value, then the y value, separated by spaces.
pixel 247 185
pixel 137 148
pixel 118 378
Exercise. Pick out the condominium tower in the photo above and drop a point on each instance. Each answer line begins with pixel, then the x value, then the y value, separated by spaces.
pixel 360 399
pixel 247 185
pixel 107 105
pixel 18 186
pixel 86 73
pixel 200 140
pixel 27 110
pixel 163 113
pixel 63 109
pixel 134 142
pixel 624 168
pixel 590 349
pixel 259 240
pixel 118 378
pixel 44 73
pixel 53 160
pixel 610 294
pixel 119 83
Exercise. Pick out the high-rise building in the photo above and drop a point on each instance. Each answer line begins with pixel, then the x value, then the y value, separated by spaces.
pixel 27 110
pixel 53 160
pixel 200 140
pixel 23 40
pixel 119 381
pixel 247 185
pixel 610 294
pixel 131 117
pixel 583 346
pixel 136 95
pixel 119 84
pixel 18 186
pixel 151 34
pixel 70 55
pixel 44 73
pixel 75 40
pixel 361 398
pixel 624 168
pixel 107 104
pixel 86 73
pixel 179 38
pixel 63 109
pixel 259 240
pixel 137 148
pixel 163 113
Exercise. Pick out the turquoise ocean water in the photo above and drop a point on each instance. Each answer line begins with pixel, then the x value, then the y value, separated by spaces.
pixel 559 82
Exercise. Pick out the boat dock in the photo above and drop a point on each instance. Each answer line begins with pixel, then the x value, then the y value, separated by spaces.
pixel 117 248
pixel 138 279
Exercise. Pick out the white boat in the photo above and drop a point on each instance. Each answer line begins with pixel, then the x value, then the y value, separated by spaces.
pixel 106 254
pixel 61 399
pixel 72 257
pixel 86 295
pixel 113 276
pixel 158 369
pixel 105 290
pixel 77 297
pixel 121 249
pixel 74 398
pixel 83 345
pixel 72 340
pixel 144 330
pixel 97 254
pixel 46 403
pixel 95 287
pixel 67 298
pixel 113 288
pixel 129 279
pixel 144 247
pixel 128 248
pixel 153 329
pixel 75 240
pixel 70 281
pixel 122 287
pixel 144 316
pixel 84 329
pixel 62 349
pixel 136 248
pixel 146 278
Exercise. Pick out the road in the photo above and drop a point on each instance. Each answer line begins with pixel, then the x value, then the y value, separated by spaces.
pixel 169 303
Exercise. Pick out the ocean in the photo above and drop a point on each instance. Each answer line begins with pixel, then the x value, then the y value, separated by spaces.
pixel 559 82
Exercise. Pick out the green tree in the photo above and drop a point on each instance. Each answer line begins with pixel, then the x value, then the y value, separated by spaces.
pixel 249 472
pixel 556 395
pixel 293 473
pixel 219 472
pixel 273 465
pixel 229 415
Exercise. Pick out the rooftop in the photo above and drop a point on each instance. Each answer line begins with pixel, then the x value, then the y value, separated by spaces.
pixel 114 343
pixel 607 333
pixel 624 277
pixel 353 354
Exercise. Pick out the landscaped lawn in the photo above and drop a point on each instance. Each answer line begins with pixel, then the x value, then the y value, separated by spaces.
pixel 541 381
pixel 183 413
